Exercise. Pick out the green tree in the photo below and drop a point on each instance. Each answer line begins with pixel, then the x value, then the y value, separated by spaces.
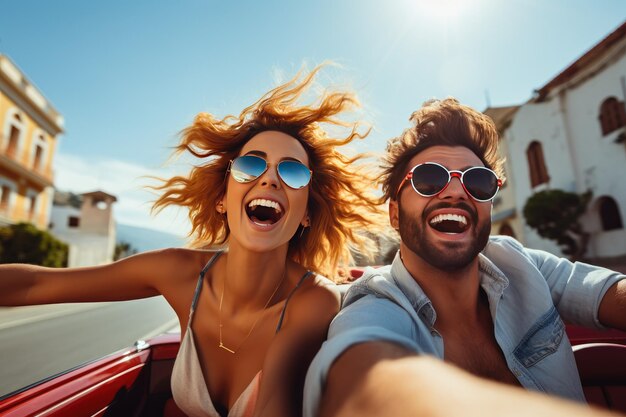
pixel 24 243
pixel 122 250
pixel 555 215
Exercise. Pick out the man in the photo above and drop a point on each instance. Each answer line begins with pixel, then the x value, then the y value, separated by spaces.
pixel 486 305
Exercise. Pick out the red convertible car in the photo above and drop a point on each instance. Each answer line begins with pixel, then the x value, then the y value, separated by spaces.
pixel 136 381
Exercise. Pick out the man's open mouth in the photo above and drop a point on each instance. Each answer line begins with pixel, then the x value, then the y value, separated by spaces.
pixel 449 223
pixel 264 212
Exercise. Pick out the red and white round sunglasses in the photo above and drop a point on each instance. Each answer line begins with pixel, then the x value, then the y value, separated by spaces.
pixel 430 178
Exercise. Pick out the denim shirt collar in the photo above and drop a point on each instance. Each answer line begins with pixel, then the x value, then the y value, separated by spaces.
pixel 492 280
pixel 413 292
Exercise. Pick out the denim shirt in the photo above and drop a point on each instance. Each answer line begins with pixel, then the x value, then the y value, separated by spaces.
pixel 530 293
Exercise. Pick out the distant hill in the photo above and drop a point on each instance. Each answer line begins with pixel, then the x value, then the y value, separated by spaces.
pixel 144 239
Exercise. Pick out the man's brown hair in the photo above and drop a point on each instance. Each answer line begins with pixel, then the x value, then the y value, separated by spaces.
pixel 440 123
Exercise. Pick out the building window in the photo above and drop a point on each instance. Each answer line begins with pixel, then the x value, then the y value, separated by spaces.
pixel 14 138
pixel 507 230
pixel 609 214
pixel 38 157
pixel 73 221
pixel 13 132
pixel 612 115
pixel 39 151
pixel 33 205
pixel 536 165
pixel 5 193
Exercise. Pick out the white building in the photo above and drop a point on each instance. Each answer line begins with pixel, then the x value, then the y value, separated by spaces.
pixel 572 136
pixel 89 230
pixel 505 218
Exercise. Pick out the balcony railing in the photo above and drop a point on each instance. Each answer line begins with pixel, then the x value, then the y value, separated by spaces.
pixel 40 177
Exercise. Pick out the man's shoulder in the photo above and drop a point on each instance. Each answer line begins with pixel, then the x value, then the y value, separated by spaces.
pixel 374 281
pixel 370 309
pixel 501 248
pixel 504 242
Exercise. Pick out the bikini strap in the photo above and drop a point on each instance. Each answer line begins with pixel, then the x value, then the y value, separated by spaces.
pixel 196 294
pixel 282 314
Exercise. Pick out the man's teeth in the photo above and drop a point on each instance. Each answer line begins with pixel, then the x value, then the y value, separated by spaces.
pixel 452 217
pixel 265 203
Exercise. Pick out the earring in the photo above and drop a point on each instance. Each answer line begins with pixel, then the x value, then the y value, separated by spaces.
pixel 304 225
pixel 220 208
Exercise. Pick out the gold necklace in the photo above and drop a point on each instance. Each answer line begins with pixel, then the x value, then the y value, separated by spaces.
pixel 226 348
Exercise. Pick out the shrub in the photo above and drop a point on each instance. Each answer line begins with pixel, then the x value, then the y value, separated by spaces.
pixel 555 215
pixel 24 243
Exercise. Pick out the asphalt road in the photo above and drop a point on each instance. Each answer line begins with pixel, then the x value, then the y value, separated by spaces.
pixel 40 341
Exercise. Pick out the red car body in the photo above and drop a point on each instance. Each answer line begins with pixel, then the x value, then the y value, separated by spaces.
pixel 131 382
pixel 136 381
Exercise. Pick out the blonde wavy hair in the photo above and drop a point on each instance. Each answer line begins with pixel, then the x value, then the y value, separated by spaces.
pixel 341 206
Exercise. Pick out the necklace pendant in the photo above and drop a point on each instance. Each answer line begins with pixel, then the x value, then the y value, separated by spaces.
pixel 225 348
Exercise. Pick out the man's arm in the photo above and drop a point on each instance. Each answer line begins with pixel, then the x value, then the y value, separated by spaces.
pixel 368 320
pixel 347 386
pixel 612 312
pixel 380 379
pixel 579 290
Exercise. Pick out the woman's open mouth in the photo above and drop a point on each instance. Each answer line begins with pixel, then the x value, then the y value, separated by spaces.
pixel 264 212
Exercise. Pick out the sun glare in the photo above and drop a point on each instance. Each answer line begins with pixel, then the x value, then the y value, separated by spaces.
pixel 442 9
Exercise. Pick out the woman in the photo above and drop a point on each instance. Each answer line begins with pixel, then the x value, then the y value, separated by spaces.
pixel 272 189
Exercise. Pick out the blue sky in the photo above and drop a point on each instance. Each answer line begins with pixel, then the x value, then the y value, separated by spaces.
pixel 128 75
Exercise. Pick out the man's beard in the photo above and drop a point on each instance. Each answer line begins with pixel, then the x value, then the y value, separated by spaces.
pixel 457 255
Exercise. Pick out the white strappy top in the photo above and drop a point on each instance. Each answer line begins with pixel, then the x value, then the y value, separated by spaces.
pixel 189 388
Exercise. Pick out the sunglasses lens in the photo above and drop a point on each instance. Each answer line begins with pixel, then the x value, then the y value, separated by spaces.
pixel 247 168
pixel 294 174
pixel 481 183
pixel 429 179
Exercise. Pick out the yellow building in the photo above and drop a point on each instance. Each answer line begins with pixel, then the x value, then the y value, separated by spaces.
pixel 29 127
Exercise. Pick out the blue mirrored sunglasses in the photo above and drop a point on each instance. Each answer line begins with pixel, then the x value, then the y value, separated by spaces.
pixel 248 168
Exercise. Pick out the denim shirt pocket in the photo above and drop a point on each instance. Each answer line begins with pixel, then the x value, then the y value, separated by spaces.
pixel 543 339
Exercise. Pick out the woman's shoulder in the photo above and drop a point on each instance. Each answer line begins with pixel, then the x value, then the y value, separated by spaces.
pixel 317 295
pixel 314 284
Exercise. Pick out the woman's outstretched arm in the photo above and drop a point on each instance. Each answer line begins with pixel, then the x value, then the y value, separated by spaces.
pixel 138 276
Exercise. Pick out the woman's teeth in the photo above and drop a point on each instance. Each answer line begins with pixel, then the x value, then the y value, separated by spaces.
pixel 264 203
